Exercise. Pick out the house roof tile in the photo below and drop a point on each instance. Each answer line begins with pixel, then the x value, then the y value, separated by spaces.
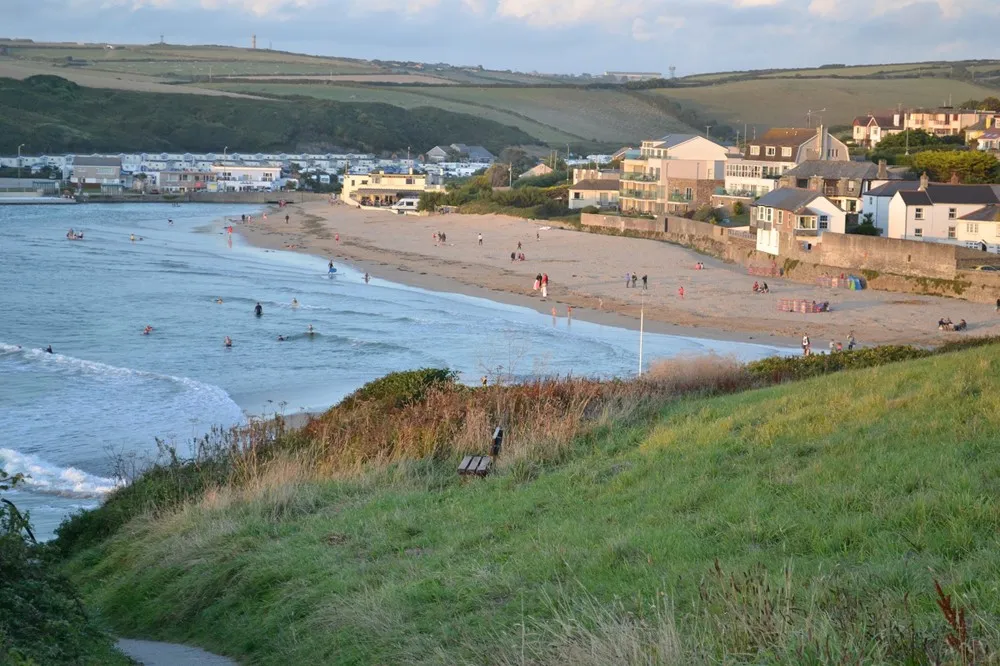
pixel 989 213
pixel 889 189
pixel 595 184
pixel 834 169
pixel 788 198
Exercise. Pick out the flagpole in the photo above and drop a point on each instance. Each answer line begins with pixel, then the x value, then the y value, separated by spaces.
pixel 642 317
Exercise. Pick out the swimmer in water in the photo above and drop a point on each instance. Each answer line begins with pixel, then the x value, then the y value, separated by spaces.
pixel 367 278
pixel 227 341
pixel 147 330
pixel 131 237
pixel 48 350
pixel 281 338
pixel 310 331
pixel 258 310
pixel 295 303
pixel 219 301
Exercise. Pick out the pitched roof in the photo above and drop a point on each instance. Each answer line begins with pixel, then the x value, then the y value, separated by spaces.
pixel 915 198
pixel 981 125
pixel 779 137
pixel 788 198
pixel 990 213
pixel 596 184
pixel 673 140
pixel 961 194
pixel 478 151
pixel 889 189
pixel 991 134
pixel 834 169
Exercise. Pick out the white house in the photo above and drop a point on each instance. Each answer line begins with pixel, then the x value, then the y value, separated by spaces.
pixel 597 192
pixel 798 215
pixel 941 213
pixel 876 201
pixel 233 177
pixel 778 150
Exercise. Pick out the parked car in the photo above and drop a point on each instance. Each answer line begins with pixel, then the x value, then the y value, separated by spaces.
pixel 994 269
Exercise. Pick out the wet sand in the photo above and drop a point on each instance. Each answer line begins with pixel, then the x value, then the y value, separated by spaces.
pixel 587 272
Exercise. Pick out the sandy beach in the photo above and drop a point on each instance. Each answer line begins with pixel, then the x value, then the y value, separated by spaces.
pixel 587 272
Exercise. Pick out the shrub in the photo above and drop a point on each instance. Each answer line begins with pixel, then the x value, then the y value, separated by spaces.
pixel 778 369
pixel 398 389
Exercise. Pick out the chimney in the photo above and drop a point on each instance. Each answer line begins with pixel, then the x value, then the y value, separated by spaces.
pixel 954 178
pixel 823 140
pixel 883 170
pixel 924 182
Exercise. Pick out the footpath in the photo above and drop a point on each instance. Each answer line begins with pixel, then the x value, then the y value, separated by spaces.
pixel 151 653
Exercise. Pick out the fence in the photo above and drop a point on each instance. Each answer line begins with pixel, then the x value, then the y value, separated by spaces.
pixel 852 282
pixel 802 305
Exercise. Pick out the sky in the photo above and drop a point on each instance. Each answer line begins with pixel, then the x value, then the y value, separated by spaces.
pixel 564 36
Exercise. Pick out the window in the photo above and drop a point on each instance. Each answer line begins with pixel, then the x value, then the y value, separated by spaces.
pixel 409 181
pixel 824 224
pixel 755 150
pixel 770 151
pixel 972 227
pixel 781 217
pixel 952 213
pixel 760 213
pixel 770 211
pixel 802 183
pixel 688 193
pixel 951 232
pixel 576 195
pixel 850 186
pixel 918 213
pixel 786 151
pixel 918 232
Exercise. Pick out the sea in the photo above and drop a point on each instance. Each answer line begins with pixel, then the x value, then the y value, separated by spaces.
pixel 107 392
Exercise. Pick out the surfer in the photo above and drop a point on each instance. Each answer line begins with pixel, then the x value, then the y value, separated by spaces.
pixel 147 330
pixel 227 341
pixel 48 350
pixel 258 310
pixel 367 278
pixel 330 267
pixel 170 222
pixel 309 331
pixel 281 338
pixel 295 303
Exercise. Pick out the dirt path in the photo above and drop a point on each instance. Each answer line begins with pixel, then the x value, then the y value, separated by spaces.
pixel 151 653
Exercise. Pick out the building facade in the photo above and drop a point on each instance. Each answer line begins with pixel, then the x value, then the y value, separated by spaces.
pixel 940 213
pixel 598 192
pixel 232 177
pixel 794 215
pixel 385 189
pixel 671 175
pixel 778 150
pixel 843 182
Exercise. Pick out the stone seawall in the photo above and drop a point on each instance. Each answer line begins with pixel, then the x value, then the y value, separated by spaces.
pixel 887 264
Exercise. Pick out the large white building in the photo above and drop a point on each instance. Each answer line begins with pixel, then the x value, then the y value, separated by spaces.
pixel 947 213
pixel 231 177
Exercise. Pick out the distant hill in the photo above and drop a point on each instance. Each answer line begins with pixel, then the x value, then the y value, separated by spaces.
pixel 583 112
pixel 52 115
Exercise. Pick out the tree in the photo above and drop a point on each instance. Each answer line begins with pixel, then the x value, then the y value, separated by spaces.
pixel 498 175
pixel 971 166
pixel 518 160
pixel 912 138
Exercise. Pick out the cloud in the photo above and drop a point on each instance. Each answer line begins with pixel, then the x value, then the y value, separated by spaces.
pixel 644 30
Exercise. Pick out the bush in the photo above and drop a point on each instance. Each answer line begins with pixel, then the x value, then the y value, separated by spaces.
pixel 785 368
pixel 398 389
pixel 739 208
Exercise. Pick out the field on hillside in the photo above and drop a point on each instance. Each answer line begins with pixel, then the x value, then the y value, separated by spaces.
pixel 785 102
pixel 895 69
pixel 807 523
pixel 554 115
pixel 407 98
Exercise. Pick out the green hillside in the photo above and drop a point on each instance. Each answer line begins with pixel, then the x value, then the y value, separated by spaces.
pixel 51 115
pixel 805 523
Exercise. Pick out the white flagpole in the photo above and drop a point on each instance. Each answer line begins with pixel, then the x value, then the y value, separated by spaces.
pixel 642 316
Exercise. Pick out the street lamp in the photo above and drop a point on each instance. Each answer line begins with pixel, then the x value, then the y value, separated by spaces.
pixel 224 151
pixel 19 160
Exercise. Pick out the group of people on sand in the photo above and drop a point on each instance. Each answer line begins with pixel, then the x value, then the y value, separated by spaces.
pixel 441 238
pixel 632 279
pixel 946 324
pixel 835 345
pixel 759 288
pixel 542 284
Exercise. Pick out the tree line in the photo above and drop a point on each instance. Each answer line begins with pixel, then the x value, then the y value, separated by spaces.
pixel 49 114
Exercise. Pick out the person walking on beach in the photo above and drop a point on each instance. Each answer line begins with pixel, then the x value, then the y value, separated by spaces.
pixel 367 277
pixel 628 280
pixel 806 350
pixel 634 278
pixel 336 238
pixel 545 279
pixel 513 256
pixel 538 282
pixel 680 291
pixel 519 249
pixel 480 240
pixel 851 342
pixel 286 218
pixel 645 282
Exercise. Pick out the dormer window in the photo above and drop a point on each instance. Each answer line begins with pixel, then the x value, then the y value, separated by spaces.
pixel 755 150
pixel 786 151
pixel 770 151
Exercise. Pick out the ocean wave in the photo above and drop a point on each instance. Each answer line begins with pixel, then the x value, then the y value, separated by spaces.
pixel 70 364
pixel 45 477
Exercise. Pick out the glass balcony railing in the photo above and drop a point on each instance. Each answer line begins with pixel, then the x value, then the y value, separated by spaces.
pixel 680 198
pixel 635 175
pixel 638 194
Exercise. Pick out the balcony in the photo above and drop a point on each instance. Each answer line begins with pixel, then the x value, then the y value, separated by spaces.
pixel 638 176
pixel 677 197
pixel 646 195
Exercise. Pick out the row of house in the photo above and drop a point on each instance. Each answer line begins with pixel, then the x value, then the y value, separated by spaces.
pixel 869 130
pixel 106 174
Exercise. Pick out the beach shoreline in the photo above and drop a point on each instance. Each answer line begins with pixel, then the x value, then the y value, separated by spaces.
pixel 718 303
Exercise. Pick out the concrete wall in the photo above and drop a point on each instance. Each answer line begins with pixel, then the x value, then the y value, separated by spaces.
pixel 888 264
pixel 209 197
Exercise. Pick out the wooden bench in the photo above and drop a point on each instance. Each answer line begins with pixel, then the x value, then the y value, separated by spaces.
pixel 475 465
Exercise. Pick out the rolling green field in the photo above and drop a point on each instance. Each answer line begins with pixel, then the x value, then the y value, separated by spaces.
pixel 805 523
pixel 889 70
pixel 785 102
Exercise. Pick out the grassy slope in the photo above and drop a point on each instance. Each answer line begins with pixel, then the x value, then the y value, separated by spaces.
pixel 868 485
pixel 785 102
